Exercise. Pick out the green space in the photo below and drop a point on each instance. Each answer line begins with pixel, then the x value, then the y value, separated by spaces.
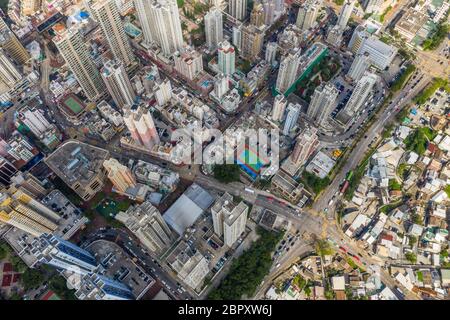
pixel 403 170
pixel 339 2
pixel 394 185
pixel 402 114
pixel 400 81
pixel 247 272
pixel 299 282
pixel 419 276
pixel 321 72
pixel 323 247
pixel 438 35
pixel 244 65
pixel 417 141
pixel 411 257
pixel 59 286
pixel 32 278
pixel 352 263
pixel 386 39
pixel 426 93
pixel 412 240
pixel 416 218
pixel 447 190
pixel 358 173
pixel 385 12
pixel 180 3
pixel 110 207
pixel 391 206
pixel 226 173
pixel 6 252
pixel 314 183
pixel 107 205
pixel 4 5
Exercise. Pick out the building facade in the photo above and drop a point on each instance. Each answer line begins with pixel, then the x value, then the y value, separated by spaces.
pixel 118 83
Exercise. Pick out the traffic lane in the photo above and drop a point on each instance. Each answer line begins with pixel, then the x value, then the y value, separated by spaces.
pixel 303 221
pixel 359 151
pixel 275 205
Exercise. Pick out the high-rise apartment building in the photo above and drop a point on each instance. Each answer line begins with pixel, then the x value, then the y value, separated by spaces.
pixel 94 286
pixel 288 71
pixel 213 28
pixel 237 37
pixel 221 86
pixel 139 122
pixel 30 7
pixel 238 9
pixel 279 106
pixel 20 210
pixel 188 62
pixel 346 12
pixel 322 103
pixel 29 183
pixel 269 11
pixel 271 52
pixel 52 250
pixel 160 21
pixel 147 224
pixel 358 37
pixel 73 49
pixel 359 66
pixel 35 120
pixel 334 36
pixel 108 16
pixel 11 45
pixel 293 112
pixel 360 93
pixel 229 219
pixel 7 171
pixel 163 92
pixel 306 143
pixel 307 14
pixel 226 58
pixel 257 16
pixel 252 42
pixel 9 75
pixel 120 175
pixel 118 83
pixel 372 6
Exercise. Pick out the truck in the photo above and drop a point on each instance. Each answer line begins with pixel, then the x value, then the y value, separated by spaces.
pixel 349 175
pixel 249 190
pixel 345 186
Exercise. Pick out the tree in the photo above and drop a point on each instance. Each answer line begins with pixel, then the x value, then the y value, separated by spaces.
pixel 226 173
pixel 411 257
pixel 394 185
pixel 416 218
pixel 18 264
pixel 437 36
pixel 3 253
pixel 315 183
pixel 323 247
pixel 247 271
pixel 59 286
pixel 32 278
pixel 412 240
pixel 307 291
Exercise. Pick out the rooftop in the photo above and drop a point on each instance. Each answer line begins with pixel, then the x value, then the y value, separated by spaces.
pixel 77 161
